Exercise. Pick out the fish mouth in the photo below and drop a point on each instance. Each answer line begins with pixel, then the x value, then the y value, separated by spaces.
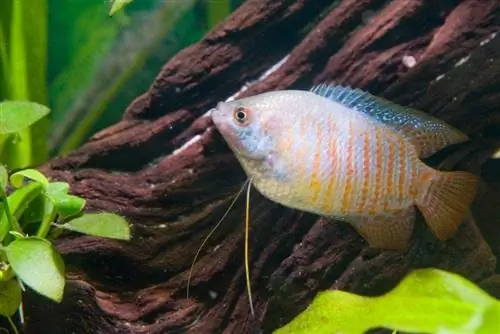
pixel 218 116
pixel 223 124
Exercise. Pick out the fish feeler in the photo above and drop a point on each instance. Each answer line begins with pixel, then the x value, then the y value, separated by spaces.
pixel 248 184
pixel 247 232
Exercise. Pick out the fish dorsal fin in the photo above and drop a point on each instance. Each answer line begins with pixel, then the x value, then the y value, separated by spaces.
pixel 427 133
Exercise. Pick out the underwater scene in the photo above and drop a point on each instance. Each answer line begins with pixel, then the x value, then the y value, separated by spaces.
pixel 249 166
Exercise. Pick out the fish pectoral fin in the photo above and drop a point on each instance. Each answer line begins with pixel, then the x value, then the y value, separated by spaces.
pixel 386 231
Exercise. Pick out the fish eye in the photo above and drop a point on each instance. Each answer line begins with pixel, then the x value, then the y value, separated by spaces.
pixel 240 115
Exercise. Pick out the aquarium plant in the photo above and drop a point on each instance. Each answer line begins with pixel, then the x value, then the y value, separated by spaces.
pixel 425 301
pixel 34 211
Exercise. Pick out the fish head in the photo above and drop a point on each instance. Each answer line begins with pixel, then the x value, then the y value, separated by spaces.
pixel 259 130
pixel 244 125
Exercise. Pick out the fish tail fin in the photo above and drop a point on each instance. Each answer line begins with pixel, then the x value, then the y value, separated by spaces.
pixel 445 199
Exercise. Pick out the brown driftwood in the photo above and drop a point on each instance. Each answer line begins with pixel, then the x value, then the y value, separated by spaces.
pixel 170 173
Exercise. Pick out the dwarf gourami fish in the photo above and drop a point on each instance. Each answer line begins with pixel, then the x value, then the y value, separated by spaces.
pixel 341 152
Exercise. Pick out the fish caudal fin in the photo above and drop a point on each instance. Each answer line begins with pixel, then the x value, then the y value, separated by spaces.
pixel 388 231
pixel 445 199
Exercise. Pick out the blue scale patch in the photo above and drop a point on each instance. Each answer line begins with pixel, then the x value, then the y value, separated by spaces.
pixel 375 107
pixel 415 125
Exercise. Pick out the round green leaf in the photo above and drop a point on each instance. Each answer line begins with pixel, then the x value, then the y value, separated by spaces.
pixel 17 178
pixel 10 297
pixel 69 205
pixel 57 188
pixel 36 262
pixel 66 205
pixel 106 225
pixel 18 115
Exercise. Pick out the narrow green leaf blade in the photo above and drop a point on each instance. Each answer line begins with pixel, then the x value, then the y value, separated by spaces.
pixel 427 300
pixel 10 297
pixel 4 177
pixel 19 115
pixel 117 5
pixel 36 262
pixel 17 178
pixel 106 225
pixel 5 18
pixel 33 26
pixel 48 215
pixel 27 78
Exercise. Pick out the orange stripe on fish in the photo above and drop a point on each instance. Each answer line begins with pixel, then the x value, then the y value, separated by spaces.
pixel 401 186
pixel 366 174
pixel 355 174
pixel 379 171
pixel 348 177
pixel 391 157
pixel 316 180
pixel 328 200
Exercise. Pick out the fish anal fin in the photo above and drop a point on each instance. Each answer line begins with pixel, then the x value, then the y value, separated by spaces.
pixel 427 133
pixel 386 231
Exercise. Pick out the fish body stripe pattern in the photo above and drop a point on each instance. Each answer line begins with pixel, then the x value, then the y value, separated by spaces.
pixel 370 169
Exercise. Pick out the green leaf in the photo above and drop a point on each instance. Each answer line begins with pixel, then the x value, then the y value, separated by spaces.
pixel 18 202
pixel 5 16
pixel 10 297
pixel 34 212
pixel 44 204
pixel 6 272
pixel 17 178
pixel 16 234
pixel 106 225
pixel 69 205
pixel 117 5
pixel 20 199
pixel 66 205
pixel 28 50
pixel 19 115
pixel 27 64
pixel 427 300
pixel 57 188
pixel 48 215
pixel 4 177
pixel 36 262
